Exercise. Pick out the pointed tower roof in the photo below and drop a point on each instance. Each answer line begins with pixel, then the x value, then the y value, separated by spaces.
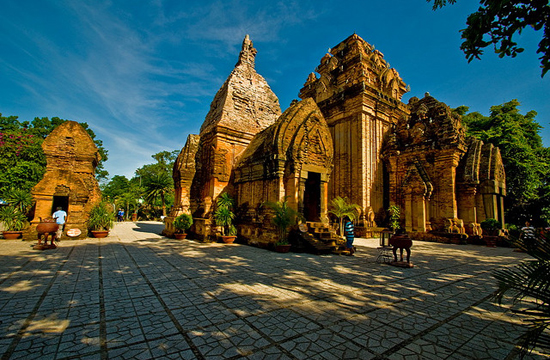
pixel 245 102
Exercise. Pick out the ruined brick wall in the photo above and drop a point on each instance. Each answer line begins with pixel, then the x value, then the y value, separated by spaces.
pixel 70 173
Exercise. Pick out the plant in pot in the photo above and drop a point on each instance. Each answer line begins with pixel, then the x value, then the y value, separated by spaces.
pixel 14 221
pixel 283 217
pixel 101 220
pixel 182 223
pixel 491 229
pixel 394 218
pixel 224 217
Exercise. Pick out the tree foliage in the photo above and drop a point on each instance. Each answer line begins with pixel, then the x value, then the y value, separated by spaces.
pixel 496 22
pixel 526 160
pixel 22 161
pixel 341 208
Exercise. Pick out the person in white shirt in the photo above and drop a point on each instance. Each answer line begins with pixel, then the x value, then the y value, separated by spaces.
pixel 60 218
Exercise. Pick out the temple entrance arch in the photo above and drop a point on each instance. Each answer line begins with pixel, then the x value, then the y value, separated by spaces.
pixel 312 197
pixel 60 201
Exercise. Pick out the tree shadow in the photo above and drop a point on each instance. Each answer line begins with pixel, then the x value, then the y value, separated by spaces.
pixel 218 296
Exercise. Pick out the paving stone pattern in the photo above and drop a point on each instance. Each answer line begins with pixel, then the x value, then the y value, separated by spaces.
pixel 138 295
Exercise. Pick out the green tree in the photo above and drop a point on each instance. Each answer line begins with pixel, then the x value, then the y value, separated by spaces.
pixel 496 22
pixel 526 160
pixel 157 181
pixel 341 208
pixel 22 161
pixel 156 187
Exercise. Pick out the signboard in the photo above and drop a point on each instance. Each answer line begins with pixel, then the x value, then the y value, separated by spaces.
pixel 73 232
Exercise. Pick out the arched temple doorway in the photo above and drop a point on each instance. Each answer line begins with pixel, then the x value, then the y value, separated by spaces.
pixel 312 197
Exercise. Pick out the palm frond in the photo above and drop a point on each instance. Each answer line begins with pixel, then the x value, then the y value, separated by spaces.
pixel 528 283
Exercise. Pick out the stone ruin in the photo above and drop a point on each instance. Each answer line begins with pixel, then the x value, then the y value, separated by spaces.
pixel 349 136
pixel 69 180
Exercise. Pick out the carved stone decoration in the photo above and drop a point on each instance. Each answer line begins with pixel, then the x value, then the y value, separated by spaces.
pixel 69 180
pixel 462 179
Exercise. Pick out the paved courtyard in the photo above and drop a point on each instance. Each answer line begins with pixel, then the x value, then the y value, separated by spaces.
pixel 138 295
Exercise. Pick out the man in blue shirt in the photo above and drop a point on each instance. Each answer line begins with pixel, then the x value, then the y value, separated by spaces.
pixel 349 233
pixel 60 218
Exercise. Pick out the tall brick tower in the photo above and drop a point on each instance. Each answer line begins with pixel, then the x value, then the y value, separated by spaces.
pixel 360 97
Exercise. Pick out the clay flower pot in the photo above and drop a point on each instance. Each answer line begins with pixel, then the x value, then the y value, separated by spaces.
pixel 12 235
pixel 282 248
pixel 100 233
pixel 228 239
pixel 180 236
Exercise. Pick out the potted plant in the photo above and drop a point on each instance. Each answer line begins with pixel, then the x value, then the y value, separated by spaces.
pixel 224 217
pixel 182 223
pixel 14 222
pixel 491 229
pixel 284 216
pixel 101 220
pixel 395 218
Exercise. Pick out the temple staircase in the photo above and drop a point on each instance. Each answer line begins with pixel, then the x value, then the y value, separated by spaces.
pixel 320 238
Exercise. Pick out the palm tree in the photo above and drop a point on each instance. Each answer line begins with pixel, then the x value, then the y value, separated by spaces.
pixel 18 198
pixel 342 208
pixel 529 284
pixel 157 186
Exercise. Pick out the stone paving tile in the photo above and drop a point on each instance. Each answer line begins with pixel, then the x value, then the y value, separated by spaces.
pixel 421 349
pixel 123 332
pixel 383 339
pixel 180 299
pixel 20 305
pixel 171 347
pixel 139 351
pixel 228 340
pixel 324 344
pixel 83 339
pixel 153 297
pixel 202 315
pixel 483 347
pixel 269 353
pixel 244 306
pixel 322 312
pixel 157 325
pixel 282 324
pixel 356 328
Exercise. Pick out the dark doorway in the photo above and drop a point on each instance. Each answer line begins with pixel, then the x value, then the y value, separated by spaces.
pixel 62 201
pixel 312 197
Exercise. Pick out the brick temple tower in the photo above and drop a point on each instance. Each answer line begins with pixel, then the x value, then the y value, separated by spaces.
pixel 360 97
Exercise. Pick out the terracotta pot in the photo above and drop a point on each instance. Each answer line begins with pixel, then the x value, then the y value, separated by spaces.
pixel 228 239
pixel 12 235
pixel 100 233
pixel 180 236
pixel 282 248
pixel 46 227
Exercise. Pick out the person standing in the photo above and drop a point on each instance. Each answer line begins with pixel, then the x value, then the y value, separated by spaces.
pixel 60 218
pixel 350 235
pixel 528 235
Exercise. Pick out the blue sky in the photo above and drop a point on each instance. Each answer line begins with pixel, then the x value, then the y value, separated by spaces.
pixel 142 74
